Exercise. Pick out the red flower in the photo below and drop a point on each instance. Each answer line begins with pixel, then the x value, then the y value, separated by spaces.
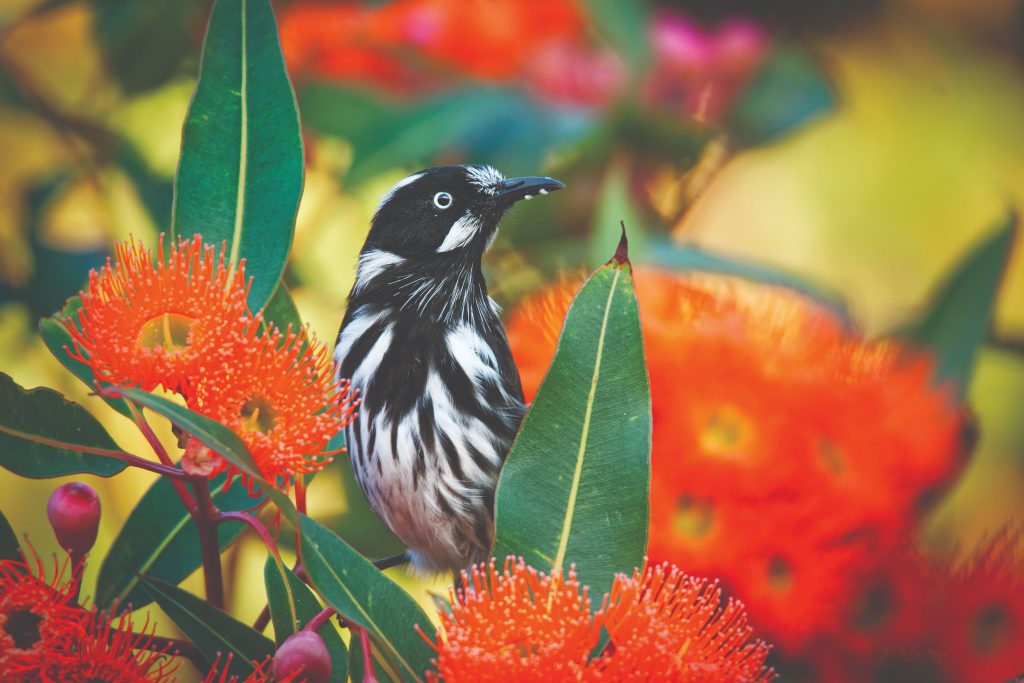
pixel 277 392
pixel 36 618
pixel 261 674
pixel 518 625
pixel 112 654
pixel 664 625
pixel 782 462
pixel 152 323
pixel 979 614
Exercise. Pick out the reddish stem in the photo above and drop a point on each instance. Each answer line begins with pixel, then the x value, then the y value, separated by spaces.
pixel 320 619
pixel 364 644
pixel 205 516
pixel 262 620
pixel 255 524
pixel 140 420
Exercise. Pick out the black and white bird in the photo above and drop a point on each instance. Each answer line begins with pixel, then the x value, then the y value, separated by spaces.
pixel 422 342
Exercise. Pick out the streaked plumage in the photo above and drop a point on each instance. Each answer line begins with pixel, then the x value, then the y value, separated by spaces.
pixel 423 343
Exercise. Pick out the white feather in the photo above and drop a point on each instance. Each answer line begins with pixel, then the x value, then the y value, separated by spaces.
pixel 373 263
pixel 460 234
pixel 398 186
pixel 487 178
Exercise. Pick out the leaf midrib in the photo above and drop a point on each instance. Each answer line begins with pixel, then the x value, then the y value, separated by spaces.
pixel 243 153
pixel 570 510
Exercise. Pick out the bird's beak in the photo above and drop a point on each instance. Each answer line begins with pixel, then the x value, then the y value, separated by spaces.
pixel 513 189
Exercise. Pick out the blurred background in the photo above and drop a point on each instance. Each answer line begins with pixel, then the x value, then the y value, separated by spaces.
pixel 862 148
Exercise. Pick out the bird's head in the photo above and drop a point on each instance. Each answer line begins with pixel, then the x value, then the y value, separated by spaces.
pixel 448 209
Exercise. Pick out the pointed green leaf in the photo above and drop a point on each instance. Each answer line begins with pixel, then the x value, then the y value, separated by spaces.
pixel 160 539
pixel 58 340
pixel 9 547
pixel 240 174
pixel 574 488
pixel 292 605
pixel 43 435
pixel 212 631
pixel 365 596
pixel 958 319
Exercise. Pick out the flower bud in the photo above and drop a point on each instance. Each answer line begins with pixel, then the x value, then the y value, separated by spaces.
pixel 74 512
pixel 305 654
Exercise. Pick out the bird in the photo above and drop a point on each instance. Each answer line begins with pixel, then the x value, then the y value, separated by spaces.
pixel 423 344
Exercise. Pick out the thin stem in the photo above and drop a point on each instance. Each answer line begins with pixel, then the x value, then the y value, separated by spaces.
pixel 364 644
pixel 205 516
pixel 320 619
pixel 181 648
pixel 300 494
pixel 255 524
pixel 133 460
pixel 262 620
pixel 140 421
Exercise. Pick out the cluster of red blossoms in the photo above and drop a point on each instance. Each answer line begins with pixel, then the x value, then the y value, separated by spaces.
pixel 543 45
pixel 661 624
pixel 47 637
pixel 181 323
pixel 794 460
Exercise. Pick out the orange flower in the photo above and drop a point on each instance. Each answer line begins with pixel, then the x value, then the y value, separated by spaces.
pixel 782 458
pixel 518 625
pixel 152 323
pixel 979 614
pixel 277 392
pixel 664 625
pixel 36 618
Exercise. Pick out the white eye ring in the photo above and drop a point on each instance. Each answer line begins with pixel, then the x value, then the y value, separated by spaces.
pixel 442 200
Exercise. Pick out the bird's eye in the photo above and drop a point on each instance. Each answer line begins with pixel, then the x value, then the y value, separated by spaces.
pixel 442 200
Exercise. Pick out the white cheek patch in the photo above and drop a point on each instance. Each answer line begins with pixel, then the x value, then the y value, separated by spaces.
pixel 398 186
pixel 461 233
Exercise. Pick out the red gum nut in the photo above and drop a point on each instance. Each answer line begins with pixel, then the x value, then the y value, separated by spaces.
pixel 74 512
pixel 305 654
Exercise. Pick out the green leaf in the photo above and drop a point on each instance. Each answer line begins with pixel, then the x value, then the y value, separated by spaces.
pixel 688 257
pixel 365 596
pixel 575 485
pixel 958 319
pixel 292 606
pixel 615 207
pixel 9 547
pixel 44 435
pixel 211 630
pixel 789 92
pixel 160 539
pixel 240 174
pixel 624 25
pixel 214 435
pixel 58 340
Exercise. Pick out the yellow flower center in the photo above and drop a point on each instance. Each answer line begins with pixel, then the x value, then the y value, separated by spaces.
pixel 168 331
pixel 726 432
pixel 693 518
pixel 258 415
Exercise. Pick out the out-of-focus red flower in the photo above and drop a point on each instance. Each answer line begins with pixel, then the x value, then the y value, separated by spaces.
pixel 278 393
pixel 667 626
pixel 517 625
pixel 493 40
pixel 701 71
pixel 978 614
pixel 154 322
pixel 37 618
pixel 782 462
